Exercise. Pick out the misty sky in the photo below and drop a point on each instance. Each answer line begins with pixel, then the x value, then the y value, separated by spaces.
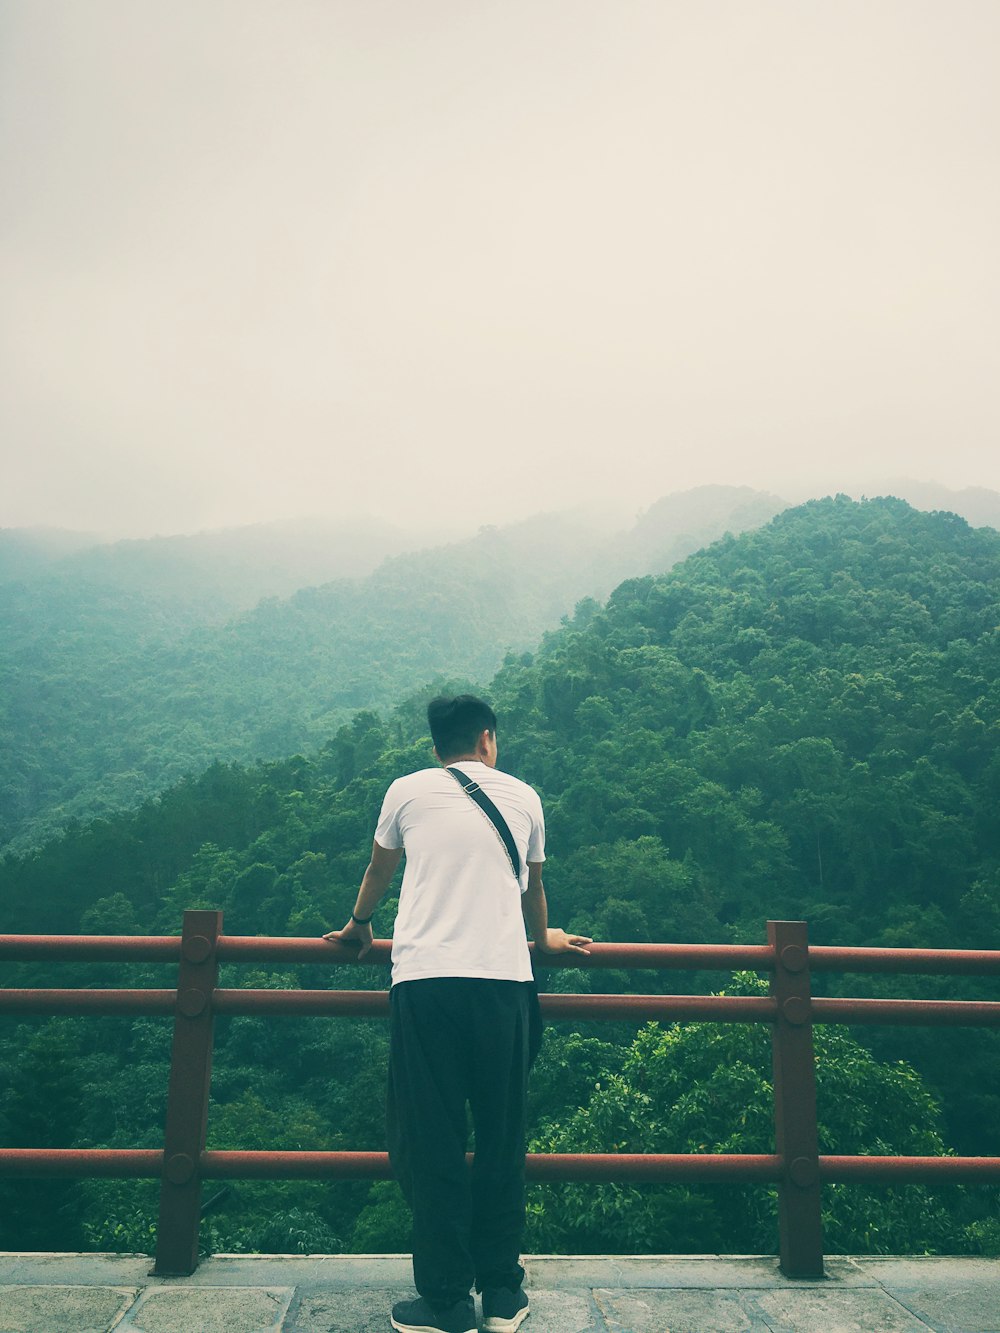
pixel 431 258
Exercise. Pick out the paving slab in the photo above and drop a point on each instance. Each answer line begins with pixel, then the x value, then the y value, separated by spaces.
pixel 958 1310
pixel 356 1311
pixel 836 1311
pixel 297 1270
pixel 563 1312
pixel 208 1310
pixel 928 1270
pixel 677 1311
pixel 55 1309
pixel 83 1270
pixel 702 1270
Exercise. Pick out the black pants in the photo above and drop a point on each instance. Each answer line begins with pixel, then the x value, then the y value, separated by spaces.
pixel 453 1041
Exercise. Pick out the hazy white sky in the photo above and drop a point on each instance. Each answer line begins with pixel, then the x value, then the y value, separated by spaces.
pixel 270 257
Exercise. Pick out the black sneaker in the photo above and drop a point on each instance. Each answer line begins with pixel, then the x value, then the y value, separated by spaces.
pixel 420 1317
pixel 504 1310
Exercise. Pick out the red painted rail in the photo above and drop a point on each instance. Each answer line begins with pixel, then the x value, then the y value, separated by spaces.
pixel 796 1166
pixel 672 957
pixel 147 1163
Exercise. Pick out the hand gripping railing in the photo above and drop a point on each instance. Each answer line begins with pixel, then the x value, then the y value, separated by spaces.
pixel 795 1166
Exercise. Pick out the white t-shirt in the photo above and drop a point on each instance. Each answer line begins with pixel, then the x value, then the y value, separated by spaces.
pixel 460 905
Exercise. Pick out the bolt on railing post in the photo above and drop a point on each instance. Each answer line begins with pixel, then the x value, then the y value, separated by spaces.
pixel 795 1132
pixel 187 1098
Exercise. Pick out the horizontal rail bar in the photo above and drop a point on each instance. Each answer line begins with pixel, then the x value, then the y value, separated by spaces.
pixel 653 1166
pixel 682 957
pixel 638 1008
pixel 929 1169
pixel 539 1166
pixel 632 1008
pixel 291 949
pixel 279 948
pixel 635 1008
pixel 90 948
pixel 724 957
pixel 929 962
pixel 217 1165
pixel 121 1162
pixel 88 1001
pixel 353 1003
pixel 225 1165
pixel 932 1013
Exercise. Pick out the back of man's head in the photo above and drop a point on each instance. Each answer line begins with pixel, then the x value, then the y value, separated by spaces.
pixel 456 724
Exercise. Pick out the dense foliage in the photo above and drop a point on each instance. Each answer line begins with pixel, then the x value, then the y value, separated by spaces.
pixel 800 722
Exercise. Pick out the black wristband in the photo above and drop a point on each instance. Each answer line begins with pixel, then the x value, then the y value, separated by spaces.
pixel 361 921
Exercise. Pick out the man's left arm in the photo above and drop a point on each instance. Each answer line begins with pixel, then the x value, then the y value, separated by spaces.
pixel 547 938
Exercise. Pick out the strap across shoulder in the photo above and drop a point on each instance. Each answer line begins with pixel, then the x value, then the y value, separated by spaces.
pixel 475 793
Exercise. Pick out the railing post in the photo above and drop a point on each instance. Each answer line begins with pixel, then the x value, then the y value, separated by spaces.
pixel 187 1099
pixel 795 1133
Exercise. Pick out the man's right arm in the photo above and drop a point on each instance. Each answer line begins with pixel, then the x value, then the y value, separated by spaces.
pixel 376 880
pixel 536 915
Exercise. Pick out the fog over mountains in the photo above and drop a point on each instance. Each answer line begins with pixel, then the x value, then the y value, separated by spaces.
pixel 233 568
pixel 216 573
pixel 125 666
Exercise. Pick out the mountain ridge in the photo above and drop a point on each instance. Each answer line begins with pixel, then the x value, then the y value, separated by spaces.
pixel 113 691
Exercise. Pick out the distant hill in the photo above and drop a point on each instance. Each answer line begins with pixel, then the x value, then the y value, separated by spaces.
pixel 124 667
pixel 208 576
pixel 976 504
pixel 679 524
pixel 25 552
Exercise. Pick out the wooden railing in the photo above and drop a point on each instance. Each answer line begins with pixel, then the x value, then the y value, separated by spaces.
pixel 795 1166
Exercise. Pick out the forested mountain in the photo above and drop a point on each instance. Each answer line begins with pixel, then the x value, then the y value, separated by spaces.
pixel 123 668
pixel 800 722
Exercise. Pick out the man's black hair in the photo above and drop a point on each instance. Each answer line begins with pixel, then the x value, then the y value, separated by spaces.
pixel 456 724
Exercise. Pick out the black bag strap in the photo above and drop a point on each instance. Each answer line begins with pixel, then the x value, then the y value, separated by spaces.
pixel 473 790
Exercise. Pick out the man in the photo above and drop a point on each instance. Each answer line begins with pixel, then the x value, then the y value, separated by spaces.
pixel 460 1009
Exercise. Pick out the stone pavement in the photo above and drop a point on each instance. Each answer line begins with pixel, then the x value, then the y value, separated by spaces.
pixel 97 1293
